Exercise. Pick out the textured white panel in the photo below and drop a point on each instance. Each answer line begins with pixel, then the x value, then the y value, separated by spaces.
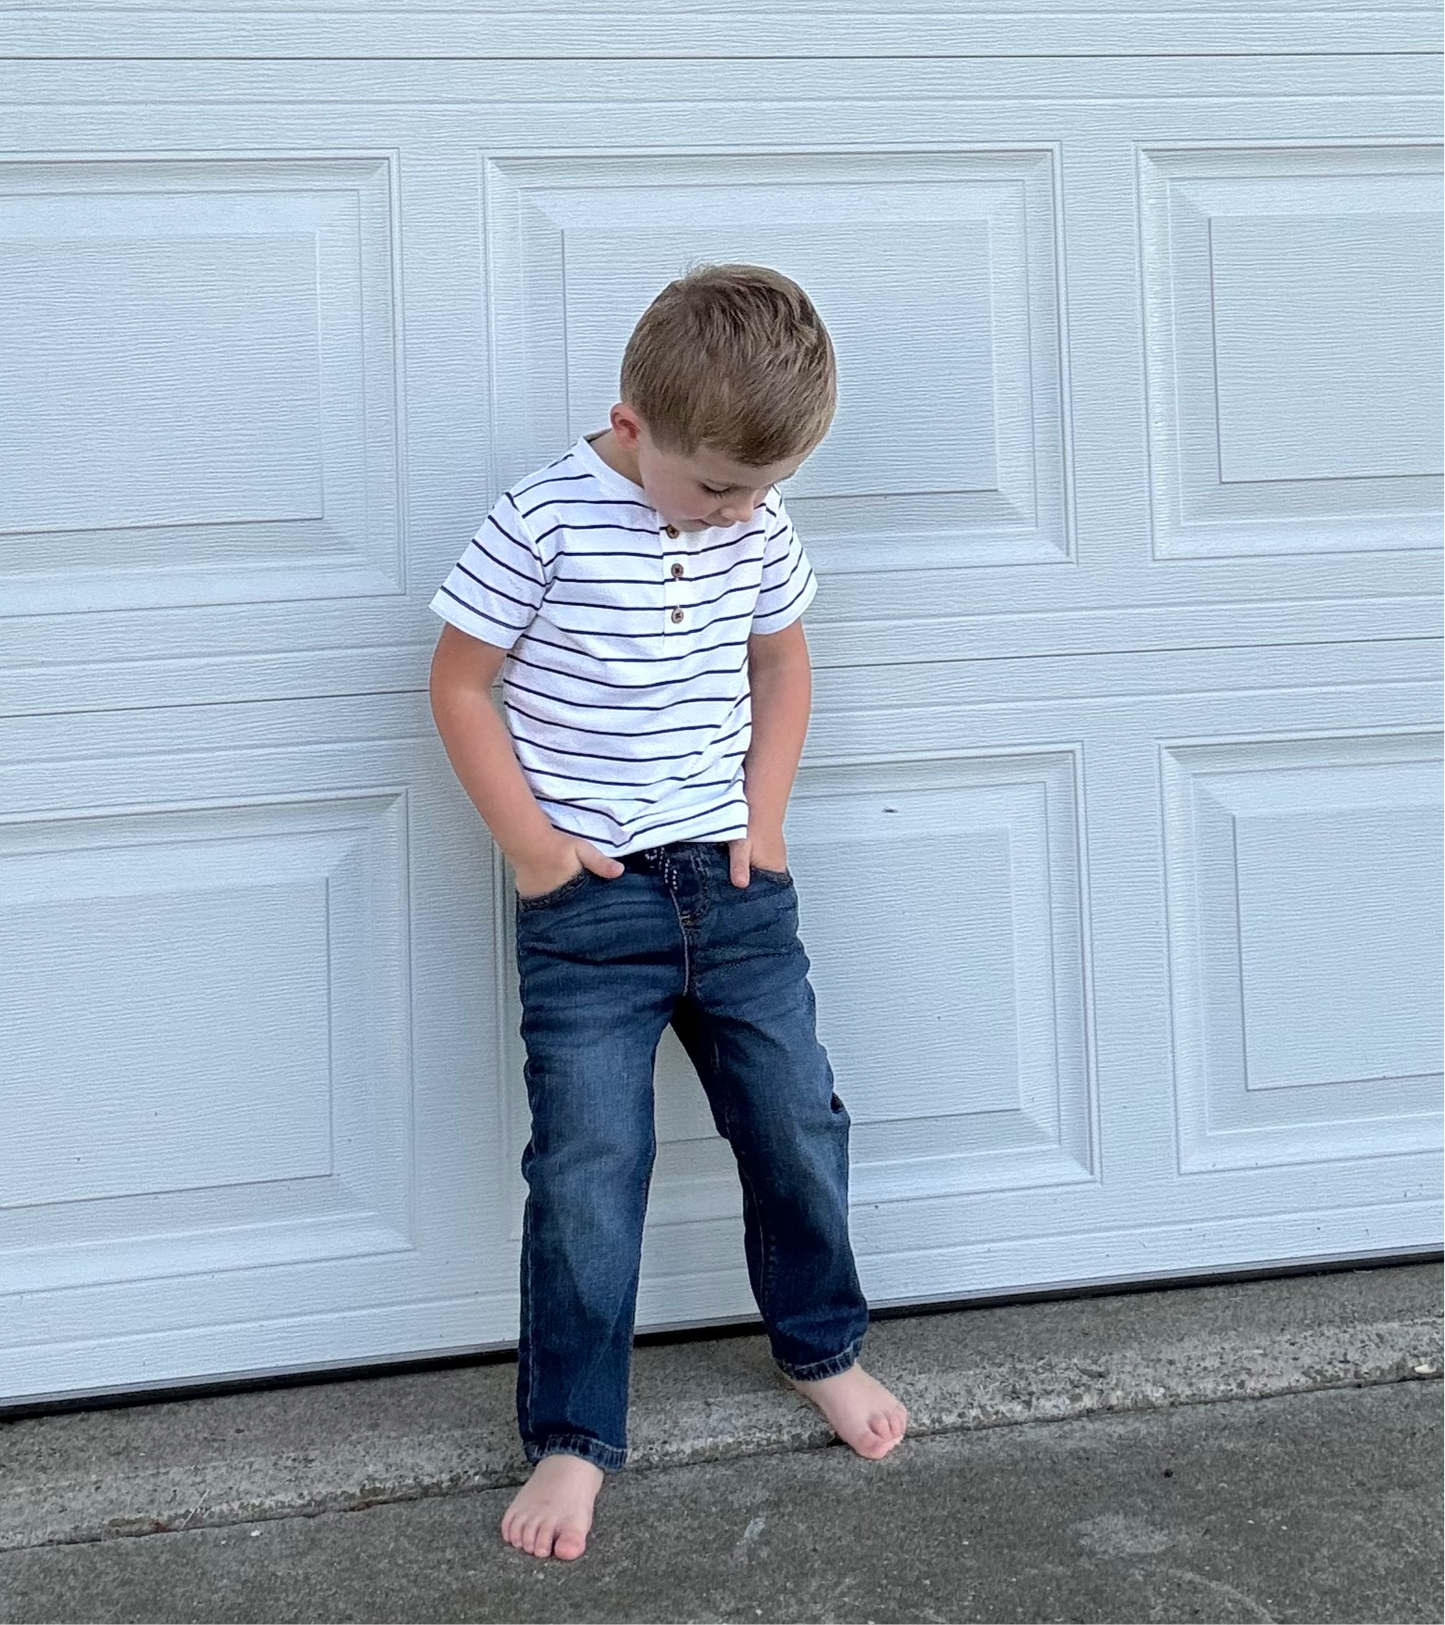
pixel 204 1034
pixel 949 967
pixel 199 399
pixel 1305 947
pixel 1293 329
pixel 935 273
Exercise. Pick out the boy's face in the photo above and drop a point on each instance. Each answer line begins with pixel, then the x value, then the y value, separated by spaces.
pixel 699 489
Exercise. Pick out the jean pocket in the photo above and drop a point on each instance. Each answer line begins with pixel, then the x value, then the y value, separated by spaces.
pixel 558 894
pixel 778 877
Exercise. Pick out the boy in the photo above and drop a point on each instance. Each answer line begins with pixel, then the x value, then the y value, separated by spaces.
pixel 640 598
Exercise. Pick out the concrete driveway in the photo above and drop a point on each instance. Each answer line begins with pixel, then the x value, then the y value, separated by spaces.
pixel 1315 1495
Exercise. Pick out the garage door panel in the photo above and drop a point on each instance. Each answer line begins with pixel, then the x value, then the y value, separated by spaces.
pixel 1293 313
pixel 220 352
pixel 1305 910
pixel 204 395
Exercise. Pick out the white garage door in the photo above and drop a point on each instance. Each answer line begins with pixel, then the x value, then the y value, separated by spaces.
pixel 1117 832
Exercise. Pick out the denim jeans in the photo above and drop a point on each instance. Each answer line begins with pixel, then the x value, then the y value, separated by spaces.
pixel 606 966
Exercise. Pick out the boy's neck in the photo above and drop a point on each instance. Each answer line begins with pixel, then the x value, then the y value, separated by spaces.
pixel 616 456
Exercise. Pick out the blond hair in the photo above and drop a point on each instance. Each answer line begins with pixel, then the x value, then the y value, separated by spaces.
pixel 733 357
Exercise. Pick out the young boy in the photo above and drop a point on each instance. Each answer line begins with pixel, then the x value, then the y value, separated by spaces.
pixel 640 598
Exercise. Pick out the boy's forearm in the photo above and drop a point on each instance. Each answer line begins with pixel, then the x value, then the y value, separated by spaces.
pixel 782 697
pixel 481 754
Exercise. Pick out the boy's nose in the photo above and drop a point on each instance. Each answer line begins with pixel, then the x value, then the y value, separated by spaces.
pixel 740 510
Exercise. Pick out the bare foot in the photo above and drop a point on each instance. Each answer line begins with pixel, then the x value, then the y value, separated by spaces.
pixel 859 1409
pixel 552 1512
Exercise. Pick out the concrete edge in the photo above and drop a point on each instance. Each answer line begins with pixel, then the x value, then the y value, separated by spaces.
pixel 673 1431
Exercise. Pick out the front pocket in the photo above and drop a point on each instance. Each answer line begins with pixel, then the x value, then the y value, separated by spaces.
pixel 779 877
pixel 559 894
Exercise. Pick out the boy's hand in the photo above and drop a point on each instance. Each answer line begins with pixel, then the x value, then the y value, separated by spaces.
pixel 766 848
pixel 540 872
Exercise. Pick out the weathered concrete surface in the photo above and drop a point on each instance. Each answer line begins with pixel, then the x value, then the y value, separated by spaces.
pixel 1313 1507
pixel 330 1447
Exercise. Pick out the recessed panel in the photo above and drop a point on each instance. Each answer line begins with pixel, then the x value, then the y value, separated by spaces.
pixel 172 1037
pixel 201 391
pixel 204 1035
pixel 1293 327
pixel 936 275
pixel 1305 915
pixel 948 969
pixel 1325 326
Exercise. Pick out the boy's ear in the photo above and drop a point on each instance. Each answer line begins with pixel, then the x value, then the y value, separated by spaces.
pixel 626 425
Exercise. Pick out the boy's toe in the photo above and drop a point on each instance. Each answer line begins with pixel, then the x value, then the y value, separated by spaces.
pixel 571 1542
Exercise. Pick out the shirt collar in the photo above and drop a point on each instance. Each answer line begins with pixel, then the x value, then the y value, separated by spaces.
pixel 605 474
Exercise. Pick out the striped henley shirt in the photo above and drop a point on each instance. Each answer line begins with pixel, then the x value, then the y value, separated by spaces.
pixel 625 687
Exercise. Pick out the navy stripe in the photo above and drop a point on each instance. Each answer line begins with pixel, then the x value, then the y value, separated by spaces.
pixel 629 688
pixel 611 553
pixel 590 502
pixel 486 586
pixel 708 834
pixel 599 632
pixel 521 575
pixel 712 547
pixel 675 823
pixel 783 585
pixel 556 479
pixel 612 733
pixel 772 614
pixel 655 608
pixel 569 808
pixel 480 614
pixel 628 660
pixel 667 705
pixel 594 756
pixel 649 581
pixel 636 530
pixel 599 790
pixel 500 532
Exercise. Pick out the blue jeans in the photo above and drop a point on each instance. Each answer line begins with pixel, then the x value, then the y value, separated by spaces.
pixel 606 966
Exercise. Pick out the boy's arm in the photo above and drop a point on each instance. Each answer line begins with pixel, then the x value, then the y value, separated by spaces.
pixel 781 680
pixel 480 749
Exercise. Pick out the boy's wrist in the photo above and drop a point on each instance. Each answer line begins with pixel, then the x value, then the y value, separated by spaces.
pixel 538 849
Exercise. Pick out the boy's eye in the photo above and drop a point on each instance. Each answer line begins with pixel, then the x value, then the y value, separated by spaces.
pixel 714 493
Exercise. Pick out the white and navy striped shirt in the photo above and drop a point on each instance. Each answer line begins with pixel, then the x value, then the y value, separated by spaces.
pixel 626 684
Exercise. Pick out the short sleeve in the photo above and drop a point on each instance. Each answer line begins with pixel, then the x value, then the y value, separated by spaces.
pixel 496 587
pixel 788 579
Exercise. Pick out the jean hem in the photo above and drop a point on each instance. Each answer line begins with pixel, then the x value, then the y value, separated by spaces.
pixel 609 1457
pixel 816 1370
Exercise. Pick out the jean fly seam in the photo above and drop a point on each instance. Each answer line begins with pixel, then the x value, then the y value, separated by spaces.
pixel 687 987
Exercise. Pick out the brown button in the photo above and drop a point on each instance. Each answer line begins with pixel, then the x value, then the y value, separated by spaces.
pixel 677 617
pixel 672 531
pixel 677 571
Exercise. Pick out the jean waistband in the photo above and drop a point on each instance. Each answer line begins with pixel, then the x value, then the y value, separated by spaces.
pixel 653 858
